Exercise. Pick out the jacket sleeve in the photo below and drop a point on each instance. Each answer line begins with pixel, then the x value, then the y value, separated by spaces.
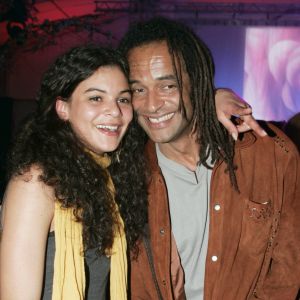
pixel 282 275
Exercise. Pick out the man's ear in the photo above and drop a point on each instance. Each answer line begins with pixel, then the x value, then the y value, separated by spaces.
pixel 62 109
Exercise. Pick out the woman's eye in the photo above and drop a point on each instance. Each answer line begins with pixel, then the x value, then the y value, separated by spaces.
pixel 95 98
pixel 124 100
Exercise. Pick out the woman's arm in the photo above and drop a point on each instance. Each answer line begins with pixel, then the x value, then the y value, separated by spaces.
pixel 27 214
pixel 229 104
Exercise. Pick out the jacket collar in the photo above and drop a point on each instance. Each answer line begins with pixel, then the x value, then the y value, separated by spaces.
pixel 151 156
pixel 245 140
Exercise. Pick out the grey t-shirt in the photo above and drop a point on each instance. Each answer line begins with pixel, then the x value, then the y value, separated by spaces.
pixel 188 194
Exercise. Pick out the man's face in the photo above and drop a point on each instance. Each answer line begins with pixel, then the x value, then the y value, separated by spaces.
pixel 156 95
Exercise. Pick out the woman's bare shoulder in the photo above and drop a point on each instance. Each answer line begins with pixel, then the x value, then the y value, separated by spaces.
pixel 27 193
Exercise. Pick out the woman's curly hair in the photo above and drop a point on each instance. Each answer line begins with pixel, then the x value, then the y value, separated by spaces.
pixel 78 181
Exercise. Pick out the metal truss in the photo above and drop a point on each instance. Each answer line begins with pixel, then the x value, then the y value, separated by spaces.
pixel 207 13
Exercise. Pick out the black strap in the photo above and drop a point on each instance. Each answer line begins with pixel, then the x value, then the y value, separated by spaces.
pixel 151 263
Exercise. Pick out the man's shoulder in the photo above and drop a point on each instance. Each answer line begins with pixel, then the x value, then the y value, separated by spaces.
pixel 275 140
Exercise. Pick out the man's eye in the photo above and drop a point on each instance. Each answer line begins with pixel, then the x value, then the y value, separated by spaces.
pixel 138 90
pixel 170 86
pixel 95 98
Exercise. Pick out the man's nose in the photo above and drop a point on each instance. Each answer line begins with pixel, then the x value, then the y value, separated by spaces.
pixel 153 102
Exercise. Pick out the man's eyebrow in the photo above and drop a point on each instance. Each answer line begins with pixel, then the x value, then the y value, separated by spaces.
pixel 165 77
pixel 133 81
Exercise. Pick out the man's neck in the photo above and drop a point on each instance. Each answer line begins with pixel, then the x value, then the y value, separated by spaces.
pixel 184 151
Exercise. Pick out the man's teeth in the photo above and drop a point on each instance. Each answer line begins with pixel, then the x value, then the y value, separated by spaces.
pixel 108 127
pixel 161 119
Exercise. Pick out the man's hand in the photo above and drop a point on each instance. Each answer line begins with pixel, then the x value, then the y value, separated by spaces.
pixel 229 104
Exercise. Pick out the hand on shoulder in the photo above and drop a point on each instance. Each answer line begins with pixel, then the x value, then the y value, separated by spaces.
pixel 229 104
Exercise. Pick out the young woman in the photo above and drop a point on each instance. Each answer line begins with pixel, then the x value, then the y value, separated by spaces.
pixel 73 188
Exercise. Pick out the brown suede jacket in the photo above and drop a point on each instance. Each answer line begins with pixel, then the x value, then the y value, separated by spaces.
pixel 254 235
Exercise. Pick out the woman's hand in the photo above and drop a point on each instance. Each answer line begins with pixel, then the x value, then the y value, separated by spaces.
pixel 229 104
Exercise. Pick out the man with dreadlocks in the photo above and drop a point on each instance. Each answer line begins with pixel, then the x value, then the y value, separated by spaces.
pixel 223 219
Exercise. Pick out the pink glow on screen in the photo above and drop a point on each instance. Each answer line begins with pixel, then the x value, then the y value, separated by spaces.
pixel 272 72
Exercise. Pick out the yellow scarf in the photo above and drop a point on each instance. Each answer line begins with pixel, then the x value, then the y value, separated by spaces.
pixel 69 275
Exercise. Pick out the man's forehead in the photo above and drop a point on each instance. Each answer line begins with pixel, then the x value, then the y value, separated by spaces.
pixel 154 57
pixel 152 62
pixel 150 49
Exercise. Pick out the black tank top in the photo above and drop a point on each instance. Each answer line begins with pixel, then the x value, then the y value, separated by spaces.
pixel 96 272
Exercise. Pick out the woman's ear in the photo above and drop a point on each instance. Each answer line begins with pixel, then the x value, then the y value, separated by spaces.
pixel 62 109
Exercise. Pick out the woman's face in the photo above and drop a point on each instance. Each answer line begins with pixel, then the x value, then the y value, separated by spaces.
pixel 99 110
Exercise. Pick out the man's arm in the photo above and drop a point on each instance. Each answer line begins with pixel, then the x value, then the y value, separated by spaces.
pixel 229 104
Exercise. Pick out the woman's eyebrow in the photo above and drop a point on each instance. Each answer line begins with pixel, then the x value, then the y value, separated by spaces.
pixel 94 89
